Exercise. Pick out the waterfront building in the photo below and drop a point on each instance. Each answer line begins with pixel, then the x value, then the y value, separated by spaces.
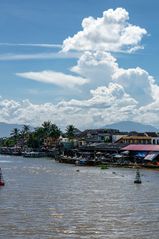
pixel 154 137
pixel 118 135
pixel 91 136
pixel 140 138
pixel 50 142
pixel 147 152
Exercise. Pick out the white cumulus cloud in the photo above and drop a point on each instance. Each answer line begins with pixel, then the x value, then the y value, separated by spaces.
pixel 101 69
pixel 112 93
pixel 112 32
pixel 103 105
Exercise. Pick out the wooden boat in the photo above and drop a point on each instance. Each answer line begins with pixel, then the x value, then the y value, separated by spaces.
pixel 1 179
pixel 34 154
pixel 81 162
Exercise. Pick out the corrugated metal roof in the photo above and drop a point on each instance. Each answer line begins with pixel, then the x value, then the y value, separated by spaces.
pixel 141 147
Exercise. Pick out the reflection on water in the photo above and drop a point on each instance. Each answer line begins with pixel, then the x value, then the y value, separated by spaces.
pixel 44 199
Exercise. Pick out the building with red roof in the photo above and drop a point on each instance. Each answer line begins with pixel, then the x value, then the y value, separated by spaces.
pixel 146 152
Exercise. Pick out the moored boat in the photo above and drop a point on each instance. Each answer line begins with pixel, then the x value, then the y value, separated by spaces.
pixel 33 154
pixel 81 162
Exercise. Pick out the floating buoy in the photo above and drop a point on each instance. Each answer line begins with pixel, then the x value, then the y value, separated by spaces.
pixel 2 184
pixel 1 178
pixel 137 178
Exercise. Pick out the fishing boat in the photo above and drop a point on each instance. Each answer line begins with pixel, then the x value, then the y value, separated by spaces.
pixel 34 154
pixel 1 179
pixel 137 178
pixel 81 161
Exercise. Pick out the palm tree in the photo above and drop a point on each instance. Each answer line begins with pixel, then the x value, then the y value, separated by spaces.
pixel 15 134
pixel 39 135
pixel 26 128
pixel 25 134
pixel 70 131
pixel 55 132
pixel 33 141
pixel 46 126
pixel 25 131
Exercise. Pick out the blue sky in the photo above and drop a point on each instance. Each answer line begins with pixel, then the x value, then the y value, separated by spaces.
pixel 42 77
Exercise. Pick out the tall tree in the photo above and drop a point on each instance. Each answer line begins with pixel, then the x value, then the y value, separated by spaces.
pixel 15 134
pixel 70 131
pixel 39 135
pixel 25 135
pixel 26 128
pixel 47 127
pixel 33 141
pixel 55 132
pixel 25 132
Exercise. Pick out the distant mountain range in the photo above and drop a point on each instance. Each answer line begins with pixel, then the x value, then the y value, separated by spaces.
pixel 5 129
pixel 127 126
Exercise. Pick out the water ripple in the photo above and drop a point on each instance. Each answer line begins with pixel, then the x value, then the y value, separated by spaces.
pixel 44 199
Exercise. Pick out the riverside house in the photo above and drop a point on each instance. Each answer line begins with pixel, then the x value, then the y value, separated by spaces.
pixel 91 136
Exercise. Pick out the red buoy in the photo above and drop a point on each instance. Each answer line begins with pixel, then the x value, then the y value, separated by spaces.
pixel 2 184
pixel 1 179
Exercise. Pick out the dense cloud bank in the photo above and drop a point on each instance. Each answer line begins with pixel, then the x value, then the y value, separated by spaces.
pixel 113 93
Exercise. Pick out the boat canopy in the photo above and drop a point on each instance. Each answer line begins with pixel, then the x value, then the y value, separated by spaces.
pixel 151 156
pixel 140 154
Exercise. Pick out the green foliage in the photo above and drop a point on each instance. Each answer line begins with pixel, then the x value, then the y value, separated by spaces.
pixel 103 166
pixel 46 126
pixel 70 131
pixel 15 133
pixel 55 132
pixel 50 130
pixel 33 139
pixel 8 142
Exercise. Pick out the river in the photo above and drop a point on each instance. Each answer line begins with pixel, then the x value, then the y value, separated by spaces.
pixel 43 199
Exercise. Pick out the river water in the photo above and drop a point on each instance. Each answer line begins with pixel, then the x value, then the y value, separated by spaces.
pixel 44 199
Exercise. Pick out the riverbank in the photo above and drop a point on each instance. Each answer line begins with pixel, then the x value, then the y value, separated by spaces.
pixel 107 162
pixel 110 155
pixel 84 162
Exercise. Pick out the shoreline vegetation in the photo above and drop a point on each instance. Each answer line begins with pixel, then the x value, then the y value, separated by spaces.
pixel 71 146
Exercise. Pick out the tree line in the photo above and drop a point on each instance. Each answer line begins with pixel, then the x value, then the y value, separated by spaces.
pixel 35 138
